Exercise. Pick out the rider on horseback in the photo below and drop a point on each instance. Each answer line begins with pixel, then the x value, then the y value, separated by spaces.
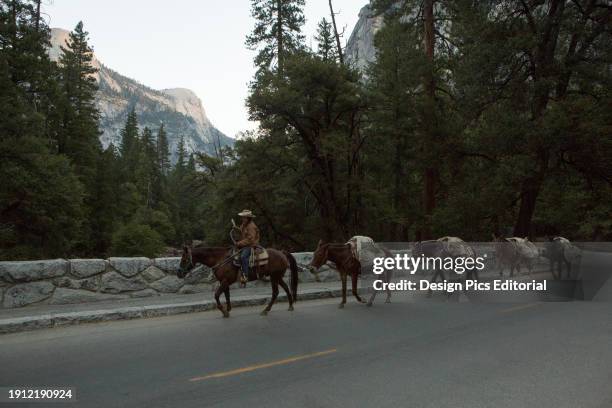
pixel 249 238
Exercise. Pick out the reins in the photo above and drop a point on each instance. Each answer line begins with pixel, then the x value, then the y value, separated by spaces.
pixel 223 262
pixel 217 265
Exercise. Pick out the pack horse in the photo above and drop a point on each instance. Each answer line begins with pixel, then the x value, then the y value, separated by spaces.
pixel 350 258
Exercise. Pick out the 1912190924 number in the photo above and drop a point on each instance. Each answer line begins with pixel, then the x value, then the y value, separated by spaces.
pixel 40 393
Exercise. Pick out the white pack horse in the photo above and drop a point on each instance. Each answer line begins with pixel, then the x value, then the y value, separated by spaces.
pixel 365 250
pixel 515 251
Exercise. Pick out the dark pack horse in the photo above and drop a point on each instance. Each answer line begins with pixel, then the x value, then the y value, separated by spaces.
pixel 221 261
pixel 561 252
pixel 346 264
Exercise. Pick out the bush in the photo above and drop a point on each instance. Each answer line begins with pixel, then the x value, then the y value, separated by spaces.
pixel 136 240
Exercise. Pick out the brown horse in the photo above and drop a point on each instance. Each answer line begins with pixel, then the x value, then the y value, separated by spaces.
pixel 342 256
pixel 220 260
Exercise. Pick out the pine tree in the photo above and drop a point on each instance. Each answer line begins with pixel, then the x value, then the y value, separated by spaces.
pixel 163 151
pixel 106 207
pixel 79 134
pixel 25 38
pixel 80 120
pixel 181 155
pixel 191 167
pixel 326 46
pixel 129 145
pixel 277 31
pixel 40 196
pixel 146 166
pixel 149 146
pixel 393 90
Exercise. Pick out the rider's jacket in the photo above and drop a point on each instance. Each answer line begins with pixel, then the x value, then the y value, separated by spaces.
pixel 249 235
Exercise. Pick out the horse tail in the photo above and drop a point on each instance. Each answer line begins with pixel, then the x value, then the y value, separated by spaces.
pixel 294 274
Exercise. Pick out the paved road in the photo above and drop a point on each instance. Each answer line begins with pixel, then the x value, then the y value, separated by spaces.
pixel 425 353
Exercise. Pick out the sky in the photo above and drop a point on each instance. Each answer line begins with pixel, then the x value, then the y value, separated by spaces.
pixel 195 44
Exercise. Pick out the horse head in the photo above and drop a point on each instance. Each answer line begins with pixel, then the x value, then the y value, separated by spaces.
pixel 186 264
pixel 319 257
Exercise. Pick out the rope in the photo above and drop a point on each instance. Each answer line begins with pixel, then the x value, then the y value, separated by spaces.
pixel 226 260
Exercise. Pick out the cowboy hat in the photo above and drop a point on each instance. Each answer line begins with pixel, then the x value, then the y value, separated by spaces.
pixel 246 213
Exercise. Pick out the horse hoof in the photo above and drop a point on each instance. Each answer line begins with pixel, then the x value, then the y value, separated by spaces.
pixel 369 304
pixel 341 306
pixel 225 315
pixel 388 301
pixel 290 308
pixel 264 313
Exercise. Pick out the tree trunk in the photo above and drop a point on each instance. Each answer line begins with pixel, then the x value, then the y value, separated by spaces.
pixel 529 195
pixel 544 72
pixel 37 25
pixel 279 35
pixel 13 25
pixel 333 17
pixel 429 188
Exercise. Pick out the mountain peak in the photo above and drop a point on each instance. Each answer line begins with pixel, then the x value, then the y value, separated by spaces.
pixel 360 49
pixel 182 93
pixel 179 109
pixel 188 103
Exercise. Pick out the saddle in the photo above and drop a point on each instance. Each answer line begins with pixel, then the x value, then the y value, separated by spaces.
pixel 259 258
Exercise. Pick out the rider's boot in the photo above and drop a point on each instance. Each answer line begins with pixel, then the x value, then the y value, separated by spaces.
pixel 243 279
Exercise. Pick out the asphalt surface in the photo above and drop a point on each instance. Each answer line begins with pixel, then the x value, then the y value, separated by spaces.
pixel 413 352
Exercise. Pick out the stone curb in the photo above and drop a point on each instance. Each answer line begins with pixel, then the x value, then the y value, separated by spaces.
pixel 44 321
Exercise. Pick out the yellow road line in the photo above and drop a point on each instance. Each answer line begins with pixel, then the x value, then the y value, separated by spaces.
pixel 521 307
pixel 263 365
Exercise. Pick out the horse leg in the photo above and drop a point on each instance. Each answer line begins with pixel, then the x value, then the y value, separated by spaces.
pixel 354 280
pixel 443 277
pixel 274 282
pixel 433 280
pixel 227 298
pixel 528 266
pixel 374 293
pixel 371 300
pixel 223 285
pixel 388 277
pixel 343 278
pixel 283 285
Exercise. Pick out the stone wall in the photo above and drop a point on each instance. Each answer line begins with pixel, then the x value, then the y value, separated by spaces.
pixel 61 281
